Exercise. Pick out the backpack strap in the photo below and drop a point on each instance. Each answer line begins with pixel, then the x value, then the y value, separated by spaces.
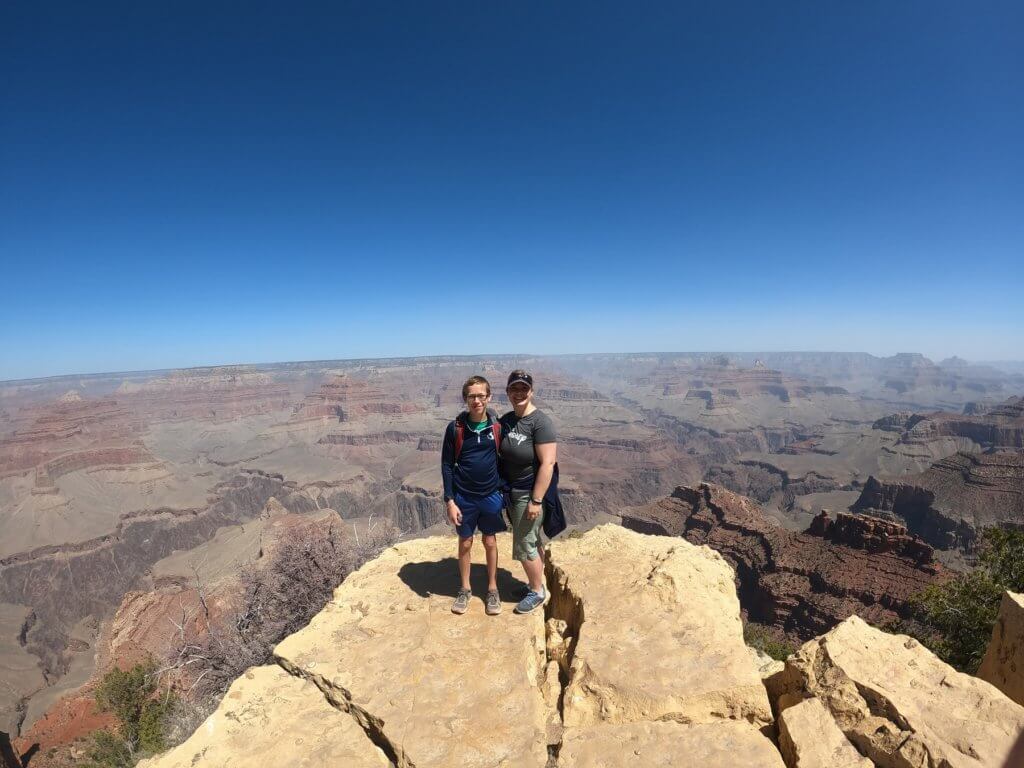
pixel 496 430
pixel 460 435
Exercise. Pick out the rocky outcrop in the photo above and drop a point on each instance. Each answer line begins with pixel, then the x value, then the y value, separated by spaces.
pixel 898 703
pixel 1003 665
pixel 870 534
pixel 803 584
pixel 949 503
pixel 600 679
pixel 638 659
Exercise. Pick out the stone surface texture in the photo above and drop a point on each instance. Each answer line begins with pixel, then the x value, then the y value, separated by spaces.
pixel 898 703
pixel 810 738
pixel 420 679
pixel 683 621
pixel 1003 665
pixel 269 717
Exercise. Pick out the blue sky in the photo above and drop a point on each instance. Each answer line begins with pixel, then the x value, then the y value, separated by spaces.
pixel 204 183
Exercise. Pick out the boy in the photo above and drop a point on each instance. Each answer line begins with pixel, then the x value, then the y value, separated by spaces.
pixel 469 468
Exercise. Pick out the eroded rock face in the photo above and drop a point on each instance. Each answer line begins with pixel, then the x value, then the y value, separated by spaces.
pixel 1003 665
pixel 898 703
pixel 269 717
pixel 959 495
pixel 803 584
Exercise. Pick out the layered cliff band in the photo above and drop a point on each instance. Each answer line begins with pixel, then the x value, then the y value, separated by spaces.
pixel 491 465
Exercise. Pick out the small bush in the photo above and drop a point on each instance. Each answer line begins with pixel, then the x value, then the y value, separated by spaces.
pixel 761 638
pixel 956 618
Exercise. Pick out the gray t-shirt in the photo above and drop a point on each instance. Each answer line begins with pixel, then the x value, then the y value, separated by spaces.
pixel 518 437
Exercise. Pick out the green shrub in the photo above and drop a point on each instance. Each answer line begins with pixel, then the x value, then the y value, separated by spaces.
pixel 761 638
pixel 109 751
pixel 141 712
pixel 957 616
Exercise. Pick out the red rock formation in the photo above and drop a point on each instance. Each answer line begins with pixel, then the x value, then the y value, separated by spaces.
pixel 803 584
pixel 947 504
pixel 872 534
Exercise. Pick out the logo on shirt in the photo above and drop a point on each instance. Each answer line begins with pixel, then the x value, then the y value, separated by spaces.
pixel 517 437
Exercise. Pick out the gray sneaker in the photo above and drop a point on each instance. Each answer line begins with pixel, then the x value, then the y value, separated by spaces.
pixel 461 604
pixel 493 603
pixel 531 601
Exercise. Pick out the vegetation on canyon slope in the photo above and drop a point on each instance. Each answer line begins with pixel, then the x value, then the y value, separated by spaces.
pixel 141 711
pixel 958 615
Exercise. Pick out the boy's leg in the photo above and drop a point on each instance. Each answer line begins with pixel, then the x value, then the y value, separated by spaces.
pixel 465 559
pixel 491 548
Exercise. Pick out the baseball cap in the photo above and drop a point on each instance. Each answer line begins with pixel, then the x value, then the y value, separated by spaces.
pixel 520 377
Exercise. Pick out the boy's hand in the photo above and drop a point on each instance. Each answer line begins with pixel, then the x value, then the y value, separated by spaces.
pixel 454 513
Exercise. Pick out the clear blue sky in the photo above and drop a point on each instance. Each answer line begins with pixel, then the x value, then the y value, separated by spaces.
pixel 203 183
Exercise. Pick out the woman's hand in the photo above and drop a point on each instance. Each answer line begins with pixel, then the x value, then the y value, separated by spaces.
pixel 533 510
pixel 454 513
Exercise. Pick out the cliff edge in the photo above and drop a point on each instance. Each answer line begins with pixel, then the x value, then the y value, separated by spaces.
pixel 638 659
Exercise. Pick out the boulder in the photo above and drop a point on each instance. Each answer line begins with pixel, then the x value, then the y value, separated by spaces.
pixel 810 738
pixel 657 629
pixel 269 717
pixel 1003 665
pixel 898 703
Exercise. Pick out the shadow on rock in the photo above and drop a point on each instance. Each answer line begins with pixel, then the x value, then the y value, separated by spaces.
pixel 441 577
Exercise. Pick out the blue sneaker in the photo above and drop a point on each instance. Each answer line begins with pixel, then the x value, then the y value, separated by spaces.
pixel 531 601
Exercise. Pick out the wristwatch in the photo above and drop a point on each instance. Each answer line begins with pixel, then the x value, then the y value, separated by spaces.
pixel 536 501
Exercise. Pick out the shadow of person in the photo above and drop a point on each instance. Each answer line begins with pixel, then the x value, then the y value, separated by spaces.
pixel 441 577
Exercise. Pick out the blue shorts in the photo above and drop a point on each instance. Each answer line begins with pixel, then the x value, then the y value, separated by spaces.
pixel 483 512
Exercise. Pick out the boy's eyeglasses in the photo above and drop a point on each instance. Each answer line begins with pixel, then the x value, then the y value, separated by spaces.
pixel 477 397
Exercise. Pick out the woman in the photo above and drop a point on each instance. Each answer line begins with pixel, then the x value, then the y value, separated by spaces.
pixel 527 461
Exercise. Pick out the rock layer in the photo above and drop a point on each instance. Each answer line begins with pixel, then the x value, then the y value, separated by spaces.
pixel 950 502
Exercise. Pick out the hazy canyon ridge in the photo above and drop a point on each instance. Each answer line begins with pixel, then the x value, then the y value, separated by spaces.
pixel 119 492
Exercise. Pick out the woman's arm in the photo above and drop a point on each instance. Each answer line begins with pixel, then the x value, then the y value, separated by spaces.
pixel 547 455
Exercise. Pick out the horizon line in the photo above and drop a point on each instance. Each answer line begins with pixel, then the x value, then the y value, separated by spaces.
pixel 492 355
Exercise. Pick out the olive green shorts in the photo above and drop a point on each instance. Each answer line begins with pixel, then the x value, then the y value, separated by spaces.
pixel 525 533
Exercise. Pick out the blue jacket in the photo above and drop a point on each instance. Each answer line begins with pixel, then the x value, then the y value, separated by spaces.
pixel 476 471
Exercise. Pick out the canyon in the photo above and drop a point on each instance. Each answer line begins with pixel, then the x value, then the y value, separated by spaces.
pixel 115 489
